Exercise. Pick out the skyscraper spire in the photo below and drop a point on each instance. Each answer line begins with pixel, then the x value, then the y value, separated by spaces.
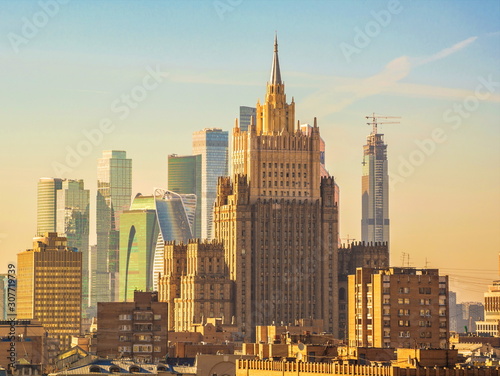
pixel 275 70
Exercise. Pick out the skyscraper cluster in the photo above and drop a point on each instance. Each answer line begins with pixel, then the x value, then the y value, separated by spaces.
pixel 255 246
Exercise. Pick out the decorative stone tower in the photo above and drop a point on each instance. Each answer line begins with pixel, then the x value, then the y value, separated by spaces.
pixel 278 219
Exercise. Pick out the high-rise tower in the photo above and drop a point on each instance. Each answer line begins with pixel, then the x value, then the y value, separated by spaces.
pixel 211 144
pixel 144 229
pixel 375 189
pixel 114 191
pixel 49 287
pixel 184 177
pixel 46 204
pixel 278 219
pixel 246 114
pixel 63 207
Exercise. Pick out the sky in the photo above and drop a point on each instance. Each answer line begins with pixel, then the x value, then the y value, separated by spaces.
pixel 82 76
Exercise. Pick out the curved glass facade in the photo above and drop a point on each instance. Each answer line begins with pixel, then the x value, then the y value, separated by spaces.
pixel 151 220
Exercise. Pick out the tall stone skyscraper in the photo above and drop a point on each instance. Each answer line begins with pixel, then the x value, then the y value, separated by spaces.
pixel 114 190
pixel 375 189
pixel 212 145
pixel 278 219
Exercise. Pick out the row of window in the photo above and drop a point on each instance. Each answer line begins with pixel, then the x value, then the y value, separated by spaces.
pixel 139 316
pixel 287 183
pixel 282 165
pixel 285 193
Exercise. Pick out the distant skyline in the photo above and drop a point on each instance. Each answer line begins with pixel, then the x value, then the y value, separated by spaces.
pixel 81 77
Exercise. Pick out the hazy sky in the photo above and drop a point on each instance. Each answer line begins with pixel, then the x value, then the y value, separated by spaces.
pixel 141 76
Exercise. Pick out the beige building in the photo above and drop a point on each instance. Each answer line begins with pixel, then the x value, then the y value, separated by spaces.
pixel 352 256
pixel 195 284
pixel 398 307
pixel 135 329
pixel 278 219
pixel 50 287
pixel 490 326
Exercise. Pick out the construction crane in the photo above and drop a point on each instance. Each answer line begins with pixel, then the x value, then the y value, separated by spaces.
pixel 349 239
pixel 375 120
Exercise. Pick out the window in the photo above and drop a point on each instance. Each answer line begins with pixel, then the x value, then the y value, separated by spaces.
pixel 425 312
pixel 404 290
pixel 125 317
pixel 424 290
pixel 143 348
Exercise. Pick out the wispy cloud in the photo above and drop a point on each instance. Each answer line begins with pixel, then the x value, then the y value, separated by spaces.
pixel 337 94
pixel 445 52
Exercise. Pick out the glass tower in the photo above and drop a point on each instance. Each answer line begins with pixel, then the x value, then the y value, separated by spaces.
pixel 246 114
pixel 212 145
pixel 184 177
pixel 72 222
pixel 46 204
pixel 144 229
pixel 375 190
pixel 114 190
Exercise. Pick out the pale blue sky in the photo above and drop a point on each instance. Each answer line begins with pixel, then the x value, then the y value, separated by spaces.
pixel 430 57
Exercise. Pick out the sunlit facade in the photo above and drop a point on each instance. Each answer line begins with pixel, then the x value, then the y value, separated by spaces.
pixel 49 278
pixel 114 191
pixel 274 210
pixel 212 145
pixel 63 207
pixel 375 190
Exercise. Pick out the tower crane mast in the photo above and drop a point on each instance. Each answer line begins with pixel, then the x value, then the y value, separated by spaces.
pixel 375 121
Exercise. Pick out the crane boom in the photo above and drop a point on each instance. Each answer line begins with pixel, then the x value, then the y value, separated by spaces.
pixel 375 120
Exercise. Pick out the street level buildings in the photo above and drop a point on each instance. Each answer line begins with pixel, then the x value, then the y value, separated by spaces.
pixel 278 219
pixel 398 307
pixel 49 287
pixel 114 191
pixel 375 190
pixel 136 329
pixel 212 145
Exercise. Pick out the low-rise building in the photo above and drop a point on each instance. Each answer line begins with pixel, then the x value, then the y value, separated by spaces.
pixel 136 330
pixel 398 307
pixel 23 339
